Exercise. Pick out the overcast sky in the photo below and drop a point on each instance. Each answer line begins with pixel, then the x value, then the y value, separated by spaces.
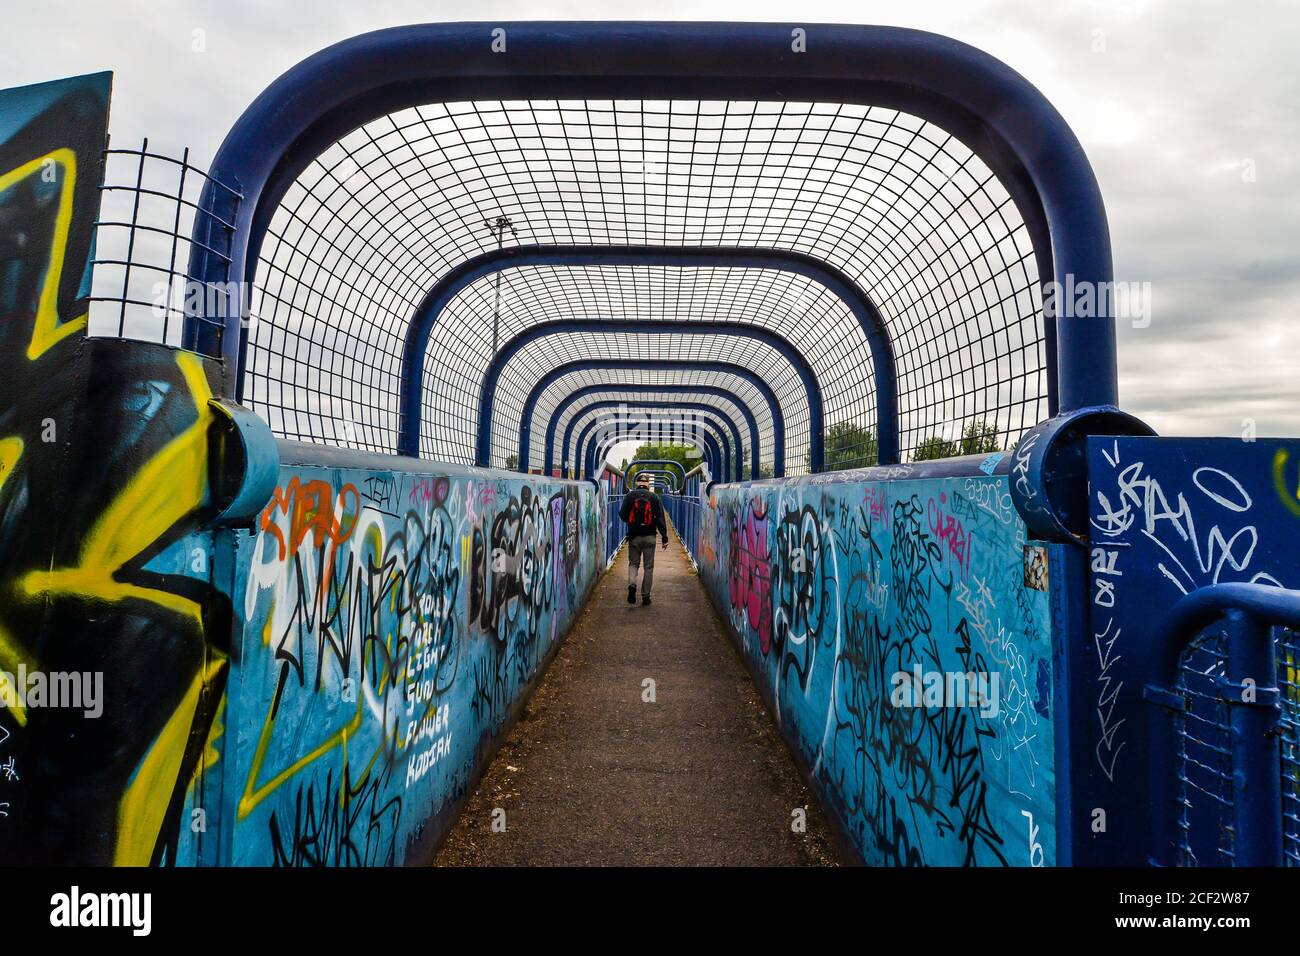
pixel 1189 110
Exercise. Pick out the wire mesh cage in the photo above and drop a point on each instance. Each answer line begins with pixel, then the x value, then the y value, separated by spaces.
pixel 144 236
pixel 900 206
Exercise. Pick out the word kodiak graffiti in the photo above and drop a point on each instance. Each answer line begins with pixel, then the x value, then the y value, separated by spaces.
pixel 392 622
pixel 833 588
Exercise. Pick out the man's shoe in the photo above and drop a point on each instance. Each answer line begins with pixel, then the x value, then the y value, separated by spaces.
pixel 631 594
pixel 645 599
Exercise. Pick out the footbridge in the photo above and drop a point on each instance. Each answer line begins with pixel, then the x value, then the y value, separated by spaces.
pixel 309 467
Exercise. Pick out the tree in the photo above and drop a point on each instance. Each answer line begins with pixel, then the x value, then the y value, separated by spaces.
pixel 980 438
pixel 512 462
pixel 847 445
pixel 934 447
pixel 688 456
pixel 977 438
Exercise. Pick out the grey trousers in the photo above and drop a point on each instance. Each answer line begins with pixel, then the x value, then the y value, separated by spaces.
pixel 641 549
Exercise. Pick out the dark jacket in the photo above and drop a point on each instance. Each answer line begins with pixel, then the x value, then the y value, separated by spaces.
pixel 656 506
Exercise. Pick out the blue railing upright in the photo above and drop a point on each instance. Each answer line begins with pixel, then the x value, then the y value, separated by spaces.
pixel 683 511
pixel 615 529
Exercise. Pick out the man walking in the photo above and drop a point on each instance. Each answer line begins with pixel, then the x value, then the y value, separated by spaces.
pixel 644 514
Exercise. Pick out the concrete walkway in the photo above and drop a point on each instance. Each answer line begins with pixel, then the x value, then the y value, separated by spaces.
pixel 593 775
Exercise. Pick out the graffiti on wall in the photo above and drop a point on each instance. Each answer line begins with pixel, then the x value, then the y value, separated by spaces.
pixel 103 489
pixel 1168 516
pixel 391 622
pixel 834 589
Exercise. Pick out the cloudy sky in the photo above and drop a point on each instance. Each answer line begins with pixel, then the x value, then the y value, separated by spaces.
pixel 1189 110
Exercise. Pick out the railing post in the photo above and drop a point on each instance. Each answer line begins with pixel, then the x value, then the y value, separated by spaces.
pixel 1251 692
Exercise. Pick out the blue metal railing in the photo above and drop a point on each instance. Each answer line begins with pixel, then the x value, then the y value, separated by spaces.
pixel 684 511
pixel 615 529
pixel 1225 742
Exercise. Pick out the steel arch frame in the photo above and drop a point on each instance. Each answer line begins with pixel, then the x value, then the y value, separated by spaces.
pixel 712 391
pixel 707 445
pixel 663 473
pixel 976 98
pixel 600 448
pixel 706 442
pixel 513 345
pixel 716 421
pixel 718 465
pixel 722 419
pixel 584 365
pixel 643 464
pixel 425 317
pixel 721 467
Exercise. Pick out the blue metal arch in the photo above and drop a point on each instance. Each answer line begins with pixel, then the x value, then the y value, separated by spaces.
pixel 643 464
pixel 569 368
pixel 711 418
pixel 711 390
pixel 487 392
pixel 707 442
pixel 981 101
pixel 715 391
pixel 860 304
pixel 720 468
pixel 663 473
pixel 719 464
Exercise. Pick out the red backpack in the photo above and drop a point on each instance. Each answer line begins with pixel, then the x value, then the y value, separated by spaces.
pixel 642 514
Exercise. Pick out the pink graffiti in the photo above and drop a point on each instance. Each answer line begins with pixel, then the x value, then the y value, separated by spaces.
pixel 751 581
pixel 948 529
pixel 430 490
pixel 877 505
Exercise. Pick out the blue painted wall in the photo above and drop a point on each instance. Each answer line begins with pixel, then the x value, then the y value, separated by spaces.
pixel 392 621
pixel 835 583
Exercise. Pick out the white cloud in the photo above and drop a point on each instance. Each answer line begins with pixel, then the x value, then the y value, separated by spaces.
pixel 1180 100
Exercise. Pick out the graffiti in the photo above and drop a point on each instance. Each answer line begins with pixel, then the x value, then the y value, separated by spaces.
pixel 1168 517
pixel 1288 491
pixel 302 691
pixel 118 574
pixel 948 529
pixel 749 570
pixel 382 647
pixel 833 586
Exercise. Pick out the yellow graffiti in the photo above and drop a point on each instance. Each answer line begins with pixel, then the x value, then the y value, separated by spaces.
pixel 1289 498
pixel 254 794
pixel 11 655
pixel 141 812
pixel 172 485
pixel 48 330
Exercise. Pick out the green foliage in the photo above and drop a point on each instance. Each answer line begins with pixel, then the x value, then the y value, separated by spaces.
pixel 934 447
pixel 688 456
pixel 977 438
pixel 512 462
pixel 980 438
pixel 847 446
